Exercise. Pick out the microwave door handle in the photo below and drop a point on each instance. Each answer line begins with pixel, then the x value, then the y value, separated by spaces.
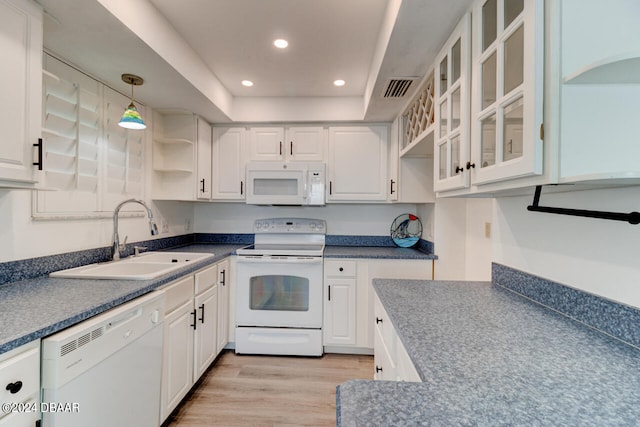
pixel 305 194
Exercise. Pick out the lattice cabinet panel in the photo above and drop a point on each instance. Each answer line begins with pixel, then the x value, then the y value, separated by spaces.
pixel 420 114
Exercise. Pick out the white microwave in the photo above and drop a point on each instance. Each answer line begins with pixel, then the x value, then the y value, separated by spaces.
pixel 289 184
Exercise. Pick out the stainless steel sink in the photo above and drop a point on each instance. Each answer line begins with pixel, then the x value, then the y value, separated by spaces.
pixel 147 266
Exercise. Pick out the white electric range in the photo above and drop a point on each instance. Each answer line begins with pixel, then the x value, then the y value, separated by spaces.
pixel 279 288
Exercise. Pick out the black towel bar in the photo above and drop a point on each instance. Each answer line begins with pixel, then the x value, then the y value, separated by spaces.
pixel 631 218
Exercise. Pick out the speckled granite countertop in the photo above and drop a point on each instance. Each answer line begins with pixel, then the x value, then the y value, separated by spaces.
pixel 387 252
pixel 489 357
pixel 34 308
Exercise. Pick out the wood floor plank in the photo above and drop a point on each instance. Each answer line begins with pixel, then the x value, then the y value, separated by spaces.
pixel 249 390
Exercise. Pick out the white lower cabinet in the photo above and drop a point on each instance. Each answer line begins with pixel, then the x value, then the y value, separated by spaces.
pixel 340 303
pixel 224 285
pixel 390 359
pixel 192 322
pixel 177 360
pixel 348 298
pixel 206 342
pixel 20 381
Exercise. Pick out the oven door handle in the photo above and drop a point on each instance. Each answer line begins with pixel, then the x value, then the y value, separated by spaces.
pixel 280 260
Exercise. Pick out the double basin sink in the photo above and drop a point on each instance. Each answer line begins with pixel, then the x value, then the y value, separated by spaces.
pixel 146 266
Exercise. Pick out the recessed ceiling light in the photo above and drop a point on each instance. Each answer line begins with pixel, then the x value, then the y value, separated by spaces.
pixel 280 43
pixel 339 82
pixel 247 83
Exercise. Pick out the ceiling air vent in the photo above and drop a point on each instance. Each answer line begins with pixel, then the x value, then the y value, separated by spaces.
pixel 397 88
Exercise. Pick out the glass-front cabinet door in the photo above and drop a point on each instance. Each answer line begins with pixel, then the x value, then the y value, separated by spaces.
pixel 453 72
pixel 506 122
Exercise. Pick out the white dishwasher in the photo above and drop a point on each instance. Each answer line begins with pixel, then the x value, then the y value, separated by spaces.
pixel 106 371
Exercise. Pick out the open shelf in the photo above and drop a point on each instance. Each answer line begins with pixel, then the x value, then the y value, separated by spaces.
pixel 421 146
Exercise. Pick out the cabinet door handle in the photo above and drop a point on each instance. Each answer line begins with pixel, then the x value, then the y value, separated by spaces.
pixel 291 148
pixel 330 187
pixel 201 319
pixel 281 148
pixel 329 292
pixel 202 181
pixel 392 189
pixel 241 188
pixel 378 320
pixel 470 165
pixel 195 322
pixel 15 387
pixel 459 169
pixel 223 273
pixel 378 369
pixel 39 163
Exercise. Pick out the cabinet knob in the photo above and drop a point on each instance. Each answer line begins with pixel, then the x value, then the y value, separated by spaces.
pixel 378 320
pixel 378 369
pixel 459 169
pixel 14 387
pixel 470 165
pixel 341 269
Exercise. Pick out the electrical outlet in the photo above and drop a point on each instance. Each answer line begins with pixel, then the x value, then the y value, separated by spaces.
pixel 487 230
pixel 187 224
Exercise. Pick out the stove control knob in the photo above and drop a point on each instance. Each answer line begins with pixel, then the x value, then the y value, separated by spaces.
pixel 312 225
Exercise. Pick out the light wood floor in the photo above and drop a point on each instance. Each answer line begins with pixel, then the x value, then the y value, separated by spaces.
pixel 270 391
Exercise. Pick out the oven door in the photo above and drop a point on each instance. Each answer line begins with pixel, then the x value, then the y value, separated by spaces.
pixel 280 291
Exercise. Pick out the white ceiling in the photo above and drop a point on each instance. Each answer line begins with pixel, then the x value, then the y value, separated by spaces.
pixel 208 46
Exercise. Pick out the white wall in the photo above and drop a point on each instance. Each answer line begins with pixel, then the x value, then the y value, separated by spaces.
pixel 464 252
pixel 597 256
pixel 22 238
pixel 342 219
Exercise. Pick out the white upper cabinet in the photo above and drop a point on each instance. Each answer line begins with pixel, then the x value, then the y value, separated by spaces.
pixel 452 83
pixel 228 163
pixel 599 89
pixel 506 108
pixel 203 162
pixel 21 88
pixel 266 143
pixel 357 163
pixel 299 143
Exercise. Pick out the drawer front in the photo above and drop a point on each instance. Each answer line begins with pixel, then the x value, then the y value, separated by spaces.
pixel 383 325
pixel 340 268
pixel 22 368
pixel 178 293
pixel 206 279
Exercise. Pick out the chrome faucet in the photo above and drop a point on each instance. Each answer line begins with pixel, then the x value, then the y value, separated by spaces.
pixel 117 247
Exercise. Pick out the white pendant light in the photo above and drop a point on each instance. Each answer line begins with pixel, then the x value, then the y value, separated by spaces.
pixel 131 118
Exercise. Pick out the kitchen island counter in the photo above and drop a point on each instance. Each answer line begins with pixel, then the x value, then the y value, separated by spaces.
pixel 34 308
pixel 488 357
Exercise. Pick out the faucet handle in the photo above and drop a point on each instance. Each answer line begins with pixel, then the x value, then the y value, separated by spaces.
pixel 122 246
pixel 138 249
